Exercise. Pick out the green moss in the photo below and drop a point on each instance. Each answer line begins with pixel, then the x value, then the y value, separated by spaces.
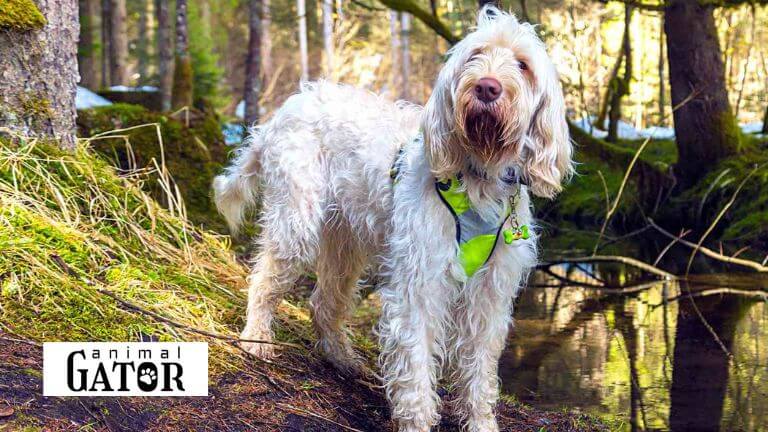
pixel 193 155
pixel 35 106
pixel 747 219
pixel 20 15
pixel 70 228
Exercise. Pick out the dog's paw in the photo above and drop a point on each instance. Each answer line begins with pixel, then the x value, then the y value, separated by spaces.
pixel 344 358
pixel 262 350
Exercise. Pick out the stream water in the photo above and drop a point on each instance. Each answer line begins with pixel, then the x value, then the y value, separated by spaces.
pixel 673 356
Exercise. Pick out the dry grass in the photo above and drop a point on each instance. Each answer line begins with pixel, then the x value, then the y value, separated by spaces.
pixel 69 227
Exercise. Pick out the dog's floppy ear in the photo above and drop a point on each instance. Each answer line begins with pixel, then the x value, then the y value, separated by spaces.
pixel 549 145
pixel 442 150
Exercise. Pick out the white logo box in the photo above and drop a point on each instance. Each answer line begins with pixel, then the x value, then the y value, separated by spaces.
pixel 125 369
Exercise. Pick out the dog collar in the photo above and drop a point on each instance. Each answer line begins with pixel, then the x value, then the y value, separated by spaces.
pixel 476 237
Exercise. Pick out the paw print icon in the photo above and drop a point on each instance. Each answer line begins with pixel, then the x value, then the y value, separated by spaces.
pixel 146 375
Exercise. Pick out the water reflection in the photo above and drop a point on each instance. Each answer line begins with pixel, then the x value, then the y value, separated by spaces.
pixel 657 365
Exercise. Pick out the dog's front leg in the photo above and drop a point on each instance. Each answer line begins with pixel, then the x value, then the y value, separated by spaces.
pixel 482 320
pixel 410 331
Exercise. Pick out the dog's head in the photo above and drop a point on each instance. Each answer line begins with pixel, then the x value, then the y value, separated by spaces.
pixel 498 103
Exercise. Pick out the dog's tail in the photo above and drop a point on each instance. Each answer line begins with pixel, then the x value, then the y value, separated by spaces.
pixel 236 190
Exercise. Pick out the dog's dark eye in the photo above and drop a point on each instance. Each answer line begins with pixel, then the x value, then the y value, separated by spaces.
pixel 523 65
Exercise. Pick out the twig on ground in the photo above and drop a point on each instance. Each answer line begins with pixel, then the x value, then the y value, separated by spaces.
pixel 300 411
pixel 160 318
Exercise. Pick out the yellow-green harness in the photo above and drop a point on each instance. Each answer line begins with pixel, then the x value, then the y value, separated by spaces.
pixel 475 236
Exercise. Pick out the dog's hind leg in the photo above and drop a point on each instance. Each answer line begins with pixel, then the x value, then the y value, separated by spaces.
pixel 269 280
pixel 291 231
pixel 340 262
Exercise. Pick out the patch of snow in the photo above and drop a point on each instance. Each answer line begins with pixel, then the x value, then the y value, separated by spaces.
pixel 624 129
pixel 122 88
pixel 85 98
pixel 657 132
pixel 586 125
pixel 240 110
pixel 752 128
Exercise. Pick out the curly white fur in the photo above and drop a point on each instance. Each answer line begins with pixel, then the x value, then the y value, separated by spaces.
pixel 322 165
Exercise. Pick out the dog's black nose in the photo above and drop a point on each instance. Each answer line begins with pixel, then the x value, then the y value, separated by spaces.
pixel 488 89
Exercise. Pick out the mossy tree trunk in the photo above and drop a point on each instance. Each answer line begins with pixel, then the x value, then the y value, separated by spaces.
pixel 87 49
pixel 705 127
pixel 620 84
pixel 253 64
pixel 164 52
pixel 765 121
pixel 118 43
pixel 182 76
pixel 38 69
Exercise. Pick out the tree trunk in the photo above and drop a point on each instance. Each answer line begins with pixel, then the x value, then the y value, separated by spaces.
pixel 705 128
pixel 142 43
pixel 118 43
pixel 620 86
pixel 105 31
pixel 328 37
pixel 86 47
pixel 394 31
pixel 301 10
pixel 38 71
pixel 182 77
pixel 405 27
pixel 765 121
pixel 266 40
pixel 253 64
pixel 164 52
pixel 662 81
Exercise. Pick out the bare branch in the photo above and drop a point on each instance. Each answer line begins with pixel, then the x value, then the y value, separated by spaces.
pixel 709 252
pixel 424 16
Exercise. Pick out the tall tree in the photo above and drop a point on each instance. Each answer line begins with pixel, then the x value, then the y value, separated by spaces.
pixel 118 43
pixel 105 50
pixel 253 64
pixel 87 47
pixel 620 84
pixel 662 81
pixel 328 37
pixel 38 60
pixel 301 10
pixel 182 77
pixel 164 52
pixel 266 39
pixel 405 39
pixel 394 31
pixel 705 127
pixel 765 121
pixel 142 41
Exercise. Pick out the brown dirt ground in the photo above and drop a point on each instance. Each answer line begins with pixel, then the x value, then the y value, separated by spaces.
pixel 301 394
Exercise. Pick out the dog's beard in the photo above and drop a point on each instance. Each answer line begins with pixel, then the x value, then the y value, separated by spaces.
pixel 486 134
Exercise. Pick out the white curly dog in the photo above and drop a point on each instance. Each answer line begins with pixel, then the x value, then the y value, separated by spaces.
pixel 447 229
